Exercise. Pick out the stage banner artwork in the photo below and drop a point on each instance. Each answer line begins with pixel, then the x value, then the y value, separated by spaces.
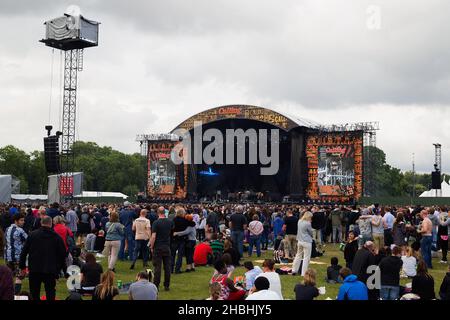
pixel 163 175
pixel 335 166
pixel 240 112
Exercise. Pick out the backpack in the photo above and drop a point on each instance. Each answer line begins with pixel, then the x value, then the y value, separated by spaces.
pixel 71 245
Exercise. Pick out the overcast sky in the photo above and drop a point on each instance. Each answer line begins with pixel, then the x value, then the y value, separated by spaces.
pixel 159 62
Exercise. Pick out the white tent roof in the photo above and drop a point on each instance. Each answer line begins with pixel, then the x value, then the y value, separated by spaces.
pixel 32 197
pixel 445 188
pixel 99 194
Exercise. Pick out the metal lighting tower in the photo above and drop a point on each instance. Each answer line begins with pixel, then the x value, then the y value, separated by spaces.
pixel 437 166
pixel 71 34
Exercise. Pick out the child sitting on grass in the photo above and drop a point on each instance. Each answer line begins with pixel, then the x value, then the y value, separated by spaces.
pixel 333 271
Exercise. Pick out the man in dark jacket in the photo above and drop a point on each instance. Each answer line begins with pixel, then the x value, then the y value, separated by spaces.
pixel 318 222
pixel 363 259
pixel 46 258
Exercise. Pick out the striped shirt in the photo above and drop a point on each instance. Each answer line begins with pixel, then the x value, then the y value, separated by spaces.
pixel 217 246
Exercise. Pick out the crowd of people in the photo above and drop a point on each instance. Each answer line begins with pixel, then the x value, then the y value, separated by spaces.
pixel 40 242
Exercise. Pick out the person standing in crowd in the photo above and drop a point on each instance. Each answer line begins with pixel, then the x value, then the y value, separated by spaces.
pixel 290 230
pixel 423 282
pixel 364 257
pixel 160 247
pixel 46 255
pixel 318 222
pixel 141 227
pixel 378 230
pixel 178 245
pixel 84 225
pixel 277 230
pixel 6 284
pixel 261 291
pixel 272 276
pixel 53 211
pixel 390 268
pixel 399 230
pixel 90 274
pixel 126 218
pixel 143 288
pixel 15 238
pixel 212 222
pixel 238 225
pixel 201 227
pixel 304 244
pixel 443 233
pixel 106 291
pixel 388 220
pixel 352 288
pixel 350 249
pixel 255 229
pixel 365 227
pixel 72 221
pixel 251 273
pixel 336 225
pixel 190 232
pixel 114 235
pixel 307 290
pixel 426 241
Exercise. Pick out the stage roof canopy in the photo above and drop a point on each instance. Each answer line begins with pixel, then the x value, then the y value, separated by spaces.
pixel 277 119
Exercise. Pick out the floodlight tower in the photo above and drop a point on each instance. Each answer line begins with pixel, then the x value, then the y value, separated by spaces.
pixel 70 33
pixel 437 166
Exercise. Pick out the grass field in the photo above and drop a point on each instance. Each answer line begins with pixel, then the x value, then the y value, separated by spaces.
pixel 194 285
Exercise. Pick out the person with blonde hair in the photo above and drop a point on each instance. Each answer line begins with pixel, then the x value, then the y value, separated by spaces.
pixel 307 290
pixel 409 263
pixel 215 290
pixel 114 234
pixel 304 244
pixel 106 290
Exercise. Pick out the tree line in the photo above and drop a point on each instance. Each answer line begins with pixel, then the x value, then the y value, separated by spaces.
pixel 106 169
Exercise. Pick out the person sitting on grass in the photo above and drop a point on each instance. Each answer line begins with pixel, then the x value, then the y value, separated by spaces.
pixel 203 254
pixel 90 273
pixel 90 241
pixel 352 288
pixel 444 289
pixel 99 244
pixel 143 288
pixel 226 258
pixel 409 268
pixel 215 290
pixel 272 276
pixel 217 246
pixel 423 282
pixel 333 271
pixel 220 276
pixel 251 274
pixel 106 291
pixel 229 249
pixel 261 291
pixel 307 290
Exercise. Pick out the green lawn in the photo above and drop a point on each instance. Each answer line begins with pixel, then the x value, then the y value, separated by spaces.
pixel 194 285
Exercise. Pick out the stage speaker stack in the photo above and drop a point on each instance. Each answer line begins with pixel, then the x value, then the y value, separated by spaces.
pixel 51 154
pixel 436 180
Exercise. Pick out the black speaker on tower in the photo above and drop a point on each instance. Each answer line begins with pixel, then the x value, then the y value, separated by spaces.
pixel 436 179
pixel 51 151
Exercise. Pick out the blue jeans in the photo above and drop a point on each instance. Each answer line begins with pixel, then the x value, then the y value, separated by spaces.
pixel 237 237
pixel 425 249
pixel 254 241
pixel 389 292
pixel 141 247
pixel 129 236
pixel 178 246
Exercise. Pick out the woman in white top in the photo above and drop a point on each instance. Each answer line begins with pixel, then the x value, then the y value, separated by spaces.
pixel 272 276
pixel 409 263
pixel 304 245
